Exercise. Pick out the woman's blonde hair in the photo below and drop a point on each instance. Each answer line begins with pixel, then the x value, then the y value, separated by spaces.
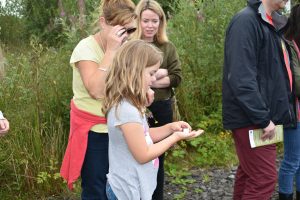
pixel 161 36
pixel 117 12
pixel 125 79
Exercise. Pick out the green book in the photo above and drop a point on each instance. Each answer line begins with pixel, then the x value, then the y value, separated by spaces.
pixel 256 141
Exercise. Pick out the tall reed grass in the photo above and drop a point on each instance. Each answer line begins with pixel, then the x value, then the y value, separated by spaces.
pixel 35 95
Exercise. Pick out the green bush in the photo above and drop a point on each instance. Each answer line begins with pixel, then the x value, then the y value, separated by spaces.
pixel 12 29
pixel 199 38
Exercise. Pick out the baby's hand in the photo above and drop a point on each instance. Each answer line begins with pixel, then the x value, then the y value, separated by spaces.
pixel 4 126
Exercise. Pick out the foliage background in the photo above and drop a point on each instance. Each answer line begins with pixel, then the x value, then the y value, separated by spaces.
pixel 36 89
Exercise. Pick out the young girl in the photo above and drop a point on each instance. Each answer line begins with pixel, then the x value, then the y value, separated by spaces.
pixel 133 162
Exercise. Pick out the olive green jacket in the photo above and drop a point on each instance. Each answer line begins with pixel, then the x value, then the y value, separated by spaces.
pixel 172 64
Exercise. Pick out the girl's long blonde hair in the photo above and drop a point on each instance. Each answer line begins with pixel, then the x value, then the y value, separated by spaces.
pixel 125 79
pixel 161 35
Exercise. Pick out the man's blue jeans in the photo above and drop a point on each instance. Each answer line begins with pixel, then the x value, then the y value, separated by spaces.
pixel 290 165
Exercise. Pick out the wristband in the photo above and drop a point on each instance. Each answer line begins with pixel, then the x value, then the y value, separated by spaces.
pixel 102 69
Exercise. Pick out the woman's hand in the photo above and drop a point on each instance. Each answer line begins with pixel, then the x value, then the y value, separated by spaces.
pixel 161 73
pixel 115 39
pixel 150 97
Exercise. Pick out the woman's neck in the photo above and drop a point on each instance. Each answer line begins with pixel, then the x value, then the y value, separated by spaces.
pixel 101 41
pixel 148 39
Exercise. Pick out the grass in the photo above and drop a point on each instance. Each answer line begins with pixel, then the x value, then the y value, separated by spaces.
pixel 35 94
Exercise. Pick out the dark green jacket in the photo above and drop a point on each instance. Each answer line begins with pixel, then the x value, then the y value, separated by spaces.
pixel 172 64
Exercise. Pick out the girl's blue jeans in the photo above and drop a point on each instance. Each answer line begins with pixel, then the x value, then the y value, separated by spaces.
pixel 290 165
pixel 110 193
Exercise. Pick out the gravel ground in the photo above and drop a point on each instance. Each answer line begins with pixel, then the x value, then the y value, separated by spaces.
pixel 206 184
pixel 209 184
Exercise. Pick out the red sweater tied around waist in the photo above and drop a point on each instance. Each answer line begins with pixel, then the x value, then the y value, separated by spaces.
pixel 80 124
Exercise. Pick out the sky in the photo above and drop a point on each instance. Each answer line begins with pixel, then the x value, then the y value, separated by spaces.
pixel 2 1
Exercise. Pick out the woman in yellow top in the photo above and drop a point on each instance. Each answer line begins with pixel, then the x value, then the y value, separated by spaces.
pixel 151 27
pixel 90 61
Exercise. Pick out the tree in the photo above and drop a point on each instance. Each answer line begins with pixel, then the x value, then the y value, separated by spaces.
pixel 40 17
pixel 293 2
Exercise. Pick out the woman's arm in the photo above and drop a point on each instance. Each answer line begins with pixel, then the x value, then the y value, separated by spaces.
pixel 93 74
pixel 161 83
pixel 173 67
pixel 161 73
pixel 94 78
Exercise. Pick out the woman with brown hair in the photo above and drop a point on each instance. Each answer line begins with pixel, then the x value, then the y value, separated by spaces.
pixel 87 150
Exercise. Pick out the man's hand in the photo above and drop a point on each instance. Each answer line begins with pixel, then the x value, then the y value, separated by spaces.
pixel 269 132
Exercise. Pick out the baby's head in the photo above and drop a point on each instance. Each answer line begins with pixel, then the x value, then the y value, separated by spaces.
pixel 132 73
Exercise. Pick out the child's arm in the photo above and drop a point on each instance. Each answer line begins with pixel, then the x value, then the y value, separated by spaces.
pixel 160 133
pixel 134 136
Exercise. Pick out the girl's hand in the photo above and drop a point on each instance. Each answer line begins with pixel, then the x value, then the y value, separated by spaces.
pixel 179 126
pixel 188 135
pixel 183 130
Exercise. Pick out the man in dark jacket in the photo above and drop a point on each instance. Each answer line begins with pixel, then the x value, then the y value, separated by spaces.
pixel 256 92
